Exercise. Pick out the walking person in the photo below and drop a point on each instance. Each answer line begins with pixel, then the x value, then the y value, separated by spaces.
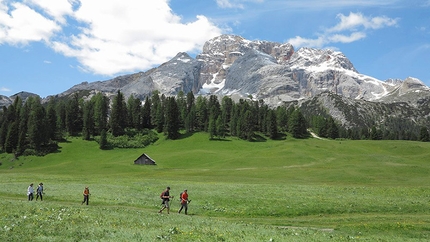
pixel 165 195
pixel 30 192
pixel 184 202
pixel 39 192
pixel 86 194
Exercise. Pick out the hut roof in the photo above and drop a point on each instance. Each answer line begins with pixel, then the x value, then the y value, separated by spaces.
pixel 144 159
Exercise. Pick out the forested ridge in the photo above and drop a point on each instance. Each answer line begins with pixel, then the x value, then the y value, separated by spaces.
pixel 30 128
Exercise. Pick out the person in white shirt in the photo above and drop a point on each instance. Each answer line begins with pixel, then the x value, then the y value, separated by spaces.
pixel 30 192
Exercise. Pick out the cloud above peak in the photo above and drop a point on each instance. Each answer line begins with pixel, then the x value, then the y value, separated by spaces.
pixel 235 3
pixel 107 37
pixel 351 28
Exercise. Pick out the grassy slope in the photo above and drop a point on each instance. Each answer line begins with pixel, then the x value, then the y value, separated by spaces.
pixel 367 189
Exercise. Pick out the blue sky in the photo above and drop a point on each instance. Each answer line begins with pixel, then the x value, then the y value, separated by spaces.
pixel 47 46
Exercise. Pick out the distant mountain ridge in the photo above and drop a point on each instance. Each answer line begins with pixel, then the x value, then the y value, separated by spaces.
pixel 273 72
pixel 262 70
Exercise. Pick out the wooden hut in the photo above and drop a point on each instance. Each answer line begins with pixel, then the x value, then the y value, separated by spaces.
pixel 144 160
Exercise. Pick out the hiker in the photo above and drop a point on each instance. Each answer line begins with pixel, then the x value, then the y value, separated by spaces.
pixel 86 194
pixel 30 192
pixel 166 198
pixel 184 201
pixel 39 192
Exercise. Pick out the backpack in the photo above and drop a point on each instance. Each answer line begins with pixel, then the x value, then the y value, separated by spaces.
pixel 180 196
pixel 161 195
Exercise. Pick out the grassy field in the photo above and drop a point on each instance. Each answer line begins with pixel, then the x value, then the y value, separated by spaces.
pixel 288 190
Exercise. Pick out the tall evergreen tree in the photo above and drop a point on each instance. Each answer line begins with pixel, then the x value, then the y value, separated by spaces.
pixel 51 118
pixel 332 128
pixel 36 125
pixel 220 127
pixel 88 120
pixel 202 113
pixel 160 118
pixel 61 118
pixel 182 106
pixel 11 142
pixel 424 135
pixel 282 118
pixel 103 140
pixel 190 116
pixel 101 109
pixel 272 124
pixel 155 112
pixel 146 114
pixel 297 124
pixel 22 139
pixel 134 112
pixel 73 116
pixel 226 111
pixel 172 118
pixel 118 116
pixel 248 127
pixel 9 118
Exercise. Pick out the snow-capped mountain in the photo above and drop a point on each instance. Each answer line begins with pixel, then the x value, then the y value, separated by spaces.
pixel 263 70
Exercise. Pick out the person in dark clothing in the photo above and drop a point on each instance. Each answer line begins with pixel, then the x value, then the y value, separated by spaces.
pixel 166 198
pixel 39 192
pixel 86 194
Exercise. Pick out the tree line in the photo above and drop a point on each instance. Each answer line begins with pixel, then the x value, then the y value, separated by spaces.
pixel 32 128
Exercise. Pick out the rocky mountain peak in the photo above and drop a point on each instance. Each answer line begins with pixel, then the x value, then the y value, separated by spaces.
pixel 269 71
pixel 221 52
pixel 321 59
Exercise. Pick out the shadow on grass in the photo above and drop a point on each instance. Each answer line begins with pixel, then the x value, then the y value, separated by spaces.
pixel 185 135
pixel 259 138
pixel 220 139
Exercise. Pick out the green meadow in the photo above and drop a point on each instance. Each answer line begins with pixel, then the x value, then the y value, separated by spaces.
pixel 283 190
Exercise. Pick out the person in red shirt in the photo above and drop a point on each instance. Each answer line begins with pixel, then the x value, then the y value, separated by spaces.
pixel 184 202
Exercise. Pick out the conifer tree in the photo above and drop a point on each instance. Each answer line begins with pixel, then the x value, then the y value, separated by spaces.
pixel 172 118
pixel 61 118
pixel 11 142
pixel 36 125
pixel 103 140
pixel 118 116
pixel 332 129
pixel 297 124
pixel 22 139
pixel 101 109
pixel 155 112
pixel 51 119
pixel 202 113
pixel 73 116
pixel 424 135
pixel 88 120
pixel 134 112
pixel 146 114
pixel 272 124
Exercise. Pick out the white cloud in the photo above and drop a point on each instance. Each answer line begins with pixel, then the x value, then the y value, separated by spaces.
pixel 356 20
pixel 235 3
pixel 19 25
pixel 4 89
pixel 56 9
pixel 132 35
pixel 351 28
pixel 110 36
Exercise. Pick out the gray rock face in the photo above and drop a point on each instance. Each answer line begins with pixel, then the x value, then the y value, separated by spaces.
pixel 270 71
pixel 5 101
